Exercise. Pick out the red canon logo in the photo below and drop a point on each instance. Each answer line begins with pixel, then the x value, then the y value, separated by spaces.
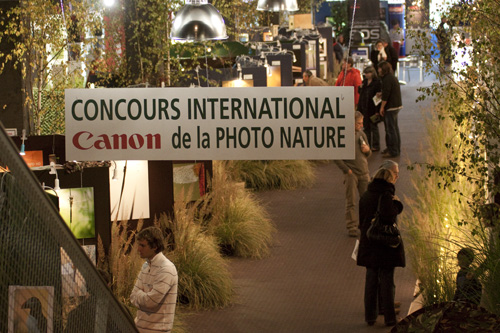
pixel 85 140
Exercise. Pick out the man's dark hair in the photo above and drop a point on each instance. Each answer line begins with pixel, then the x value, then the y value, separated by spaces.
pixel 466 253
pixel 153 236
pixel 350 61
pixel 394 22
pixel 385 67
pixel 308 73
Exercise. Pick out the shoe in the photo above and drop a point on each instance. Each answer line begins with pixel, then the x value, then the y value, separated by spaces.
pixel 397 304
pixel 389 155
pixel 371 322
pixel 384 151
pixel 375 149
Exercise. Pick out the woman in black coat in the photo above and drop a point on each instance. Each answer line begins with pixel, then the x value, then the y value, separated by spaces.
pixel 380 260
pixel 369 88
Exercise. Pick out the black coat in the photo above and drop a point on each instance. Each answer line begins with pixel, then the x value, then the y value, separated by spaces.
pixel 373 255
pixel 391 91
pixel 366 92
pixel 392 57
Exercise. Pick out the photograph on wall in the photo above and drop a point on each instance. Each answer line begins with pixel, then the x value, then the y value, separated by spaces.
pixel 73 283
pixel 31 309
pixel 76 206
pixel 129 190
pixel 189 181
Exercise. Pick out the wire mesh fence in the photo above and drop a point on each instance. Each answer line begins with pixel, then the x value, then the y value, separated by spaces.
pixel 47 281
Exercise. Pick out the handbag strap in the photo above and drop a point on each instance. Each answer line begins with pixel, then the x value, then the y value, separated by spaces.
pixel 379 200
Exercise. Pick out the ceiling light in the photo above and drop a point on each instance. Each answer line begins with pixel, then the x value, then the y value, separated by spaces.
pixel 198 21
pixel 278 5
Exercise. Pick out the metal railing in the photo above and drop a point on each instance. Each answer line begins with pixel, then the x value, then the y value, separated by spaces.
pixel 47 280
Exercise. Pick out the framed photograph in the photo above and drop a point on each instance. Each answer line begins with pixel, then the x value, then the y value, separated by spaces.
pixel 76 206
pixel 133 202
pixel 31 309
pixel 322 47
pixel 189 181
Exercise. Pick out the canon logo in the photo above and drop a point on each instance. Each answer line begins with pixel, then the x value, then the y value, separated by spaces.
pixel 85 140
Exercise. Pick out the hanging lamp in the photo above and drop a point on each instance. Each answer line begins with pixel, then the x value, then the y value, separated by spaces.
pixel 278 5
pixel 198 21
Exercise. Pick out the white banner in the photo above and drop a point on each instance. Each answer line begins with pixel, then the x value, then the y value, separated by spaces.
pixel 258 123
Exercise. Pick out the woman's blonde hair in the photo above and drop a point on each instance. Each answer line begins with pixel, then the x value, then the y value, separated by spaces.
pixel 385 171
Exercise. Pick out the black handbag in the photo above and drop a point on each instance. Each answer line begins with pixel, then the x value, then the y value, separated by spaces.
pixel 383 234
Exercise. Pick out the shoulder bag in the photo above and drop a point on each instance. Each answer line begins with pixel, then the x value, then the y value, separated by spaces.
pixel 383 234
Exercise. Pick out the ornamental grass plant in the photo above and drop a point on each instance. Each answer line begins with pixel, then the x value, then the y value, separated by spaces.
pixel 123 261
pixel 263 175
pixel 440 222
pixel 238 219
pixel 204 278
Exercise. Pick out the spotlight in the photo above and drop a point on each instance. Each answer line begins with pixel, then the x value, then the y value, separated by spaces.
pixel 56 184
pixel 108 3
pixel 22 143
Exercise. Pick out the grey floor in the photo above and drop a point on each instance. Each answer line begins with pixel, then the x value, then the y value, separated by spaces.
pixel 309 283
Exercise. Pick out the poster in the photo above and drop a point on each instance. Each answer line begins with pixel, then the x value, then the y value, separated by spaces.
pixel 187 124
pixel 31 309
pixel 366 19
pixel 76 206
pixel 189 181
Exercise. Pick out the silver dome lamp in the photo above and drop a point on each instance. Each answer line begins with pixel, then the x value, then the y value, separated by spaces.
pixel 278 5
pixel 198 21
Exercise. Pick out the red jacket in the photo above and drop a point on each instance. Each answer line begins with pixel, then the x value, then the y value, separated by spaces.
pixel 353 79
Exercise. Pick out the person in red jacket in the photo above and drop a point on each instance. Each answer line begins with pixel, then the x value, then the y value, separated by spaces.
pixel 352 78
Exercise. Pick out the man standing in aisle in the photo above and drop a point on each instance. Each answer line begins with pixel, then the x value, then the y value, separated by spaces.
pixel 352 78
pixel 356 175
pixel 155 291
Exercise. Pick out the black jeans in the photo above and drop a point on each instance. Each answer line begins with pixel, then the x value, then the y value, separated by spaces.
pixel 379 280
pixel 392 136
pixel 372 133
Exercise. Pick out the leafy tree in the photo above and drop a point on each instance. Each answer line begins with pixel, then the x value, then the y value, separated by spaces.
pixel 467 92
pixel 47 30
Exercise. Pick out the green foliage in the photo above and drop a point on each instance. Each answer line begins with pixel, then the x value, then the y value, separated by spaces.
pixel 239 221
pixel 467 93
pixel 285 175
pixel 340 17
pixel 204 279
pixel 40 35
pixel 441 221
pixel 432 222
pixel 52 119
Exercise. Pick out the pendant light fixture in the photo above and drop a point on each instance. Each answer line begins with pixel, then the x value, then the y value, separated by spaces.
pixel 198 21
pixel 278 5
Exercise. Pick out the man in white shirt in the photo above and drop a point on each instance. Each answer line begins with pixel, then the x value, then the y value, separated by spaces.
pixel 155 291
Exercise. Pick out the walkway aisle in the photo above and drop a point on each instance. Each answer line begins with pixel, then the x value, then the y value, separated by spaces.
pixel 310 283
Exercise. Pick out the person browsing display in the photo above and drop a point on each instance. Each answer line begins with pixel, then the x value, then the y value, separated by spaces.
pixel 349 77
pixel 369 88
pixel 389 109
pixel 380 260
